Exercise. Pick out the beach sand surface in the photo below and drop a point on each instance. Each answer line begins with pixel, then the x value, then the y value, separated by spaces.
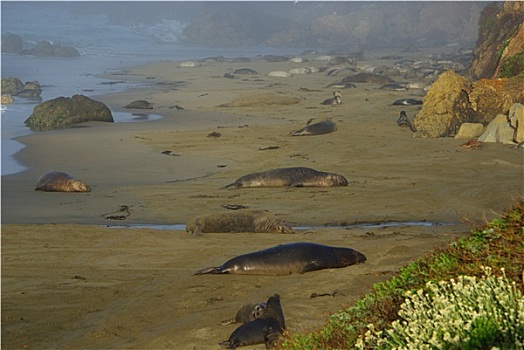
pixel 69 281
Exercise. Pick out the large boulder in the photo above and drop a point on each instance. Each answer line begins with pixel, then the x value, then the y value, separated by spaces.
pixel 63 112
pixel 453 100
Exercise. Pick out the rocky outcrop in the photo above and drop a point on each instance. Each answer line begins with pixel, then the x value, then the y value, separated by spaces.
pixel 11 85
pixel 453 100
pixel 499 51
pixel 12 43
pixel 63 112
pixel 6 99
pixel 516 121
pixel 498 130
pixel 45 48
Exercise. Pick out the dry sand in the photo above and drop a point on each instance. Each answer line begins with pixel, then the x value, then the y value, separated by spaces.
pixel 69 282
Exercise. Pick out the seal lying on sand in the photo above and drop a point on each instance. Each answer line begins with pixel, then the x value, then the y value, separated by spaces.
pixel 290 177
pixel 57 181
pixel 286 259
pixel 407 102
pixel 324 127
pixel 335 100
pixel 247 313
pixel 404 120
pixel 265 329
pixel 238 221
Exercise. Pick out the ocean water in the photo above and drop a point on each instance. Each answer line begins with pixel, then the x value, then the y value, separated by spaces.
pixel 104 48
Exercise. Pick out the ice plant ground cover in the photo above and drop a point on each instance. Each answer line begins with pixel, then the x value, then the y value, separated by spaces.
pixel 498 245
pixel 462 313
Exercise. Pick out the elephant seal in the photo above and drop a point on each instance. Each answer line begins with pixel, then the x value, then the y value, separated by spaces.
pixel 245 71
pixel 335 100
pixel 404 120
pixel 324 127
pixel 286 259
pixel 407 102
pixel 247 220
pixel 290 177
pixel 247 313
pixel 140 104
pixel 57 181
pixel 265 329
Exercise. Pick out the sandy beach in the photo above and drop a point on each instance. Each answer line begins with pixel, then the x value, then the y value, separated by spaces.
pixel 71 282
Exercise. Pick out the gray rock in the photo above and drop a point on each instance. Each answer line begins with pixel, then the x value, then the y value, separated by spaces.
pixel 63 112
pixel 498 130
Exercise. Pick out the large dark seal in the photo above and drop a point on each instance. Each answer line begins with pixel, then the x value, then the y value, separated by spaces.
pixel 57 181
pixel 335 100
pixel 290 177
pixel 265 329
pixel 324 127
pixel 288 258
pixel 258 221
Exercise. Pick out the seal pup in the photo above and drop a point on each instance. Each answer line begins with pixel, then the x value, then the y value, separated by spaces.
pixel 265 329
pixel 286 259
pixel 335 100
pixel 247 313
pixel 403 120
pixel 57 181
pixel 245 220
pixel 290 177
pixel 324 127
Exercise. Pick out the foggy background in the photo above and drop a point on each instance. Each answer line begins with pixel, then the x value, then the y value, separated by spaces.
pixel 341 26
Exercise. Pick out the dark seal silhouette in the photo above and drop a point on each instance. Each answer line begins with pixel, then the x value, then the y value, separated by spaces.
pixel 286 259
pixel 290 177
pixel 263 330
pixel 324 127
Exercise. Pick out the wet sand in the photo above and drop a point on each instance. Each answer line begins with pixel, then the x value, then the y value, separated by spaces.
pixel 71 282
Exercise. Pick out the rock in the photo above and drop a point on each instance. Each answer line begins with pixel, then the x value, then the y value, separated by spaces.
pixel 45 48
pixel 12 43
pixel 6 99
pixel 11 85
pixel 498 130
pixel 140 104
pixel 516 121
pixel 31 89
pixel 470 131
pixel 63 112
pixel 445 107
pixel 453 100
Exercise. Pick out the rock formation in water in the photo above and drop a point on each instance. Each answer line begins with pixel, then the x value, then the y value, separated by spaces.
pixel 63 112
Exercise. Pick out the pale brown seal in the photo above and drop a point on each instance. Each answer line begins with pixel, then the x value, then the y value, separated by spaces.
pixel 247 313
pixel 57 181
pixel 265 329
pixel 290 177
pixel 324 127
pixel 286 259
pixel 245 220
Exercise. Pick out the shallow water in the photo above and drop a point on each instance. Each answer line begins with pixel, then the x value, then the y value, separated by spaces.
pixel 182 227
pixel 105 48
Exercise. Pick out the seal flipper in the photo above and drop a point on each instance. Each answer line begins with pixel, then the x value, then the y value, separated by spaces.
pixel 211 269
pixel 235 184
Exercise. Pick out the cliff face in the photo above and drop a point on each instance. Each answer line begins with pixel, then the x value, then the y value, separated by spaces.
pixel 335 25
pixel 499 52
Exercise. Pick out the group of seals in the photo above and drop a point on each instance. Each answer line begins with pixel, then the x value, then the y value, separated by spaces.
pixel 288 258
pixel 265 329
pixel 238 221
pixel 324 127
pixel 290 177
pixel 57 181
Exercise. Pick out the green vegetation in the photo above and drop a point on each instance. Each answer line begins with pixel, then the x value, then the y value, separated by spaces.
pixel 498 245
pixel 512 66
